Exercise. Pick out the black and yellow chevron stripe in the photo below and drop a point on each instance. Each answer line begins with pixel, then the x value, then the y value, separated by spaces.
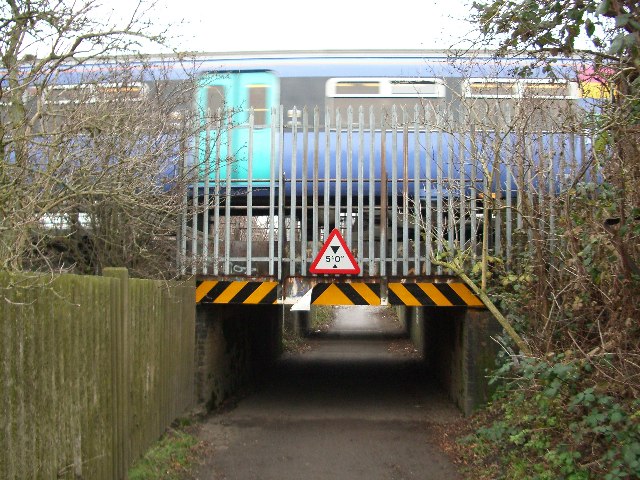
pixel 239 292
pixel 356 293
pixel 346 294
pixel 432 294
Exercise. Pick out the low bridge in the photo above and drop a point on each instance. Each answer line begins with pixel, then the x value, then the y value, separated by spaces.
pixel 405 194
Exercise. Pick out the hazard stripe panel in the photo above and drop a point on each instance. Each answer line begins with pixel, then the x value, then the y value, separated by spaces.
pixel 346 294
pixel 239 292
pixel 432 294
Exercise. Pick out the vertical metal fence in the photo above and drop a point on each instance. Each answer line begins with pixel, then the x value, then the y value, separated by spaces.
pixel 402 188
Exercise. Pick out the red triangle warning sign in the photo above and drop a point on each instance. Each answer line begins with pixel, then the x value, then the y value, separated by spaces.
pixel 335 257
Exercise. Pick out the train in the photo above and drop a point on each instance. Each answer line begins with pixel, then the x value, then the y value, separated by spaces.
pixel 271 101
pixel 409 116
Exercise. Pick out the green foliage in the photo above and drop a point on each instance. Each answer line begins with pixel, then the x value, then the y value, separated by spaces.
pixel 320 317
pixel 576 414
pixel 170 458
pixel 574 286
pixel 549 420
pixel 556 26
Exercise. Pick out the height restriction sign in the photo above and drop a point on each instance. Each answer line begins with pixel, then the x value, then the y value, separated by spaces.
pixel 335 257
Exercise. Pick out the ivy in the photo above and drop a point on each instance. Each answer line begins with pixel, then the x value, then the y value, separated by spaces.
pixel 549 423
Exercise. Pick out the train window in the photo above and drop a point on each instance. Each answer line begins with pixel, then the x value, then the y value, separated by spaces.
pixel 497 88
pixel 92 101
pixel 381 95
pixel 548 89
pixel 112 92
pixel 507 88
pixel 384 87
pixel 258 101
pixel 91 93
pixel 423 88
pixel 215 98
pixel 64 94
pixel 534 103
pixel 357 88
pixel 490 102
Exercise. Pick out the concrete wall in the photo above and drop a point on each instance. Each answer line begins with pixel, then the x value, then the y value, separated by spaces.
pixel 457 347
pixel 235 344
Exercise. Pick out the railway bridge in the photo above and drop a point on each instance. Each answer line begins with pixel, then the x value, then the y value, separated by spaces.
pixel 368 213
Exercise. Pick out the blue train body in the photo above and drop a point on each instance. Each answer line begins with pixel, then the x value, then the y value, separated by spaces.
pixel 451 163
pixel 264 82
pixel 421 81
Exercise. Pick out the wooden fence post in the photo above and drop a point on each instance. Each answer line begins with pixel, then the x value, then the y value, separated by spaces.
pixel 120 359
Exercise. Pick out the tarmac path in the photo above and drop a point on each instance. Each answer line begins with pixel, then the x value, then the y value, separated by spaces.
pixel 357 405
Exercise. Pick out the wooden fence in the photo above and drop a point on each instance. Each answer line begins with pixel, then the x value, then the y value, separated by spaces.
pixel 93 370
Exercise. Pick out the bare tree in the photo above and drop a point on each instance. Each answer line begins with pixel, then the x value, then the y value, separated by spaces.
pixel 91 144
pixel 556 177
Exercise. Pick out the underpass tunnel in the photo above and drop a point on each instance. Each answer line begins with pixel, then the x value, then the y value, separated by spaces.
pixel 339 321
pixel 454 346
pixel 346 354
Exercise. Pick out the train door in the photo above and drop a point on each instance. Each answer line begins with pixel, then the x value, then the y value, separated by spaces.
pixel 239 92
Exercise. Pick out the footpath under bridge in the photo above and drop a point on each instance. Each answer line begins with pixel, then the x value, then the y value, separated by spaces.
pixel 400 190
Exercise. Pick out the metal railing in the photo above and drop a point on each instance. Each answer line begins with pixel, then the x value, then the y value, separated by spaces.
pixel 401 188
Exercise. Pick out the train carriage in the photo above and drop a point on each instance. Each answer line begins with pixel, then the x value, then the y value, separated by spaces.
pixel 366 93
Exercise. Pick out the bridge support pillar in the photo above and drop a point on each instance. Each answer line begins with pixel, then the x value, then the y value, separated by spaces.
pixel 457 348
pixel 405 316
pixel 416 328
pixel 480 351
pixel 234 344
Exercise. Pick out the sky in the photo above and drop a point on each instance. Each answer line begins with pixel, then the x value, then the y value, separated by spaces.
pixel 249 25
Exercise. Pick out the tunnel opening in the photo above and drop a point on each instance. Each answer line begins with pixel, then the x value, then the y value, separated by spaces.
pixel 358 358
pixel 353 355
pixel 358 322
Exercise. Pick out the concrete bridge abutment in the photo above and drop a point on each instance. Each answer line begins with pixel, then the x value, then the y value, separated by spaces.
pixel 235 345
pixel 458 349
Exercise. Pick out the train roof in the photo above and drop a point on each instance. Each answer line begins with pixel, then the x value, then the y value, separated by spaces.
pixel 325 63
